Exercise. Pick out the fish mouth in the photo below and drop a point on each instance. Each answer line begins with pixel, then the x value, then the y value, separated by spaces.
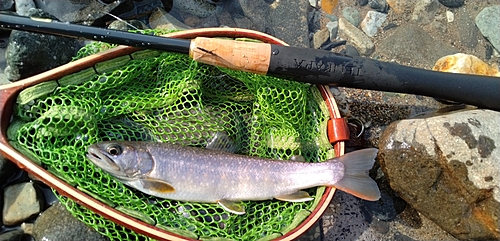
pixel 102 161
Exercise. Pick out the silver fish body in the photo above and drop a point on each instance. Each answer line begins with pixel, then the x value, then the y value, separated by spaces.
pixel 209 176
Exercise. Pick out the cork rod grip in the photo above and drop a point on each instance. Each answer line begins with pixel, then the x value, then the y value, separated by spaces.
pixel 245 56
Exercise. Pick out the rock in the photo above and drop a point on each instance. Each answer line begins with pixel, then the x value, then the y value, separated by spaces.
pixel 197 8
pixel 126 25
pixel 6 5
pixel 351 15
pixel 14 235
pixel 333 28
pixel 379 5
pixel 313 3
pixel 487 22
pixel 23 6
pixel 450 17
pixel 29 53
pixel 372 21
pixel 160 19
pixel 350 51
pixel 283 15
pixel 329 5
pixel 27 228
pixel 320 37
pixel 424 11
pixel 466 64
pixel 355 36
pixel 406 43
pixel 453 162
pixel 56 223
pixel 401 6
pixel 82 12
pixel 21 201
pixel 362 2
pixel 452 3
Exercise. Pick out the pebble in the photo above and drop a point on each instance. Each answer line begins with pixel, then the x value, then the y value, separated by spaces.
pixel 57 223
pixel 465 63
pixel 379 5
pixel 352 15
pixel 372 22
pixel 333 27
pixel 21 202
pixel 452 3
pixel 355 36
pixel 160 19
pixel 487 22
pixel 400 6
pixel 461 176
pixel 313 3
pixel 450 17
pixel 424 11
pixel 362 2
pixel 329 5
pixel 320 37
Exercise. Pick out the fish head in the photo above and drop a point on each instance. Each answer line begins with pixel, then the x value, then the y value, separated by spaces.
pixel 123 160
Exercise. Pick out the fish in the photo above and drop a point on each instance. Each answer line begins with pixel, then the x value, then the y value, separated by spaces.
pixel 196 174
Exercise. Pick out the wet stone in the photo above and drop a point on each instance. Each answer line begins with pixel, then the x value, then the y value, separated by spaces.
pixel 21 202
pixel 453 161
pixel 452 3
pixel 14 235
pixel 7 169
pixel 56 223
pixel 32 53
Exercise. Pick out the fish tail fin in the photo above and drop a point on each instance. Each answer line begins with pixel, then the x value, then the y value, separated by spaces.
pixel 356 180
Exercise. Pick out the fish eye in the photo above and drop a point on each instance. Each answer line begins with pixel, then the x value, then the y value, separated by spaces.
pixel 114 150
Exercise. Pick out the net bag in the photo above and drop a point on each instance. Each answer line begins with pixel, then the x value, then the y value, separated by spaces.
pixel 147 95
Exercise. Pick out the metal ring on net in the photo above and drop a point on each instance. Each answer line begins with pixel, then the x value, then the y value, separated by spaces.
pixel 337 134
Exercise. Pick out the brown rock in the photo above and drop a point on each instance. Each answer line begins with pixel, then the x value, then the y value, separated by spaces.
pixel 465 64
pixel 447 167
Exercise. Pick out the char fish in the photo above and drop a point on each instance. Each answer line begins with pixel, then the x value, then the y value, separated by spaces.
pixel 203 175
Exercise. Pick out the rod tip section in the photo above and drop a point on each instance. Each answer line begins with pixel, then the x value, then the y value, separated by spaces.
pixel 239 55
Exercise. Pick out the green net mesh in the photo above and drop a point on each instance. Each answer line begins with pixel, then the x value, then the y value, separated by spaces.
pixel 155 96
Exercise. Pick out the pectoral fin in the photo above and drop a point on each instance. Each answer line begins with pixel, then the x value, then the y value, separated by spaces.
pixel 299 196
pixel 232 207
pixel 157 185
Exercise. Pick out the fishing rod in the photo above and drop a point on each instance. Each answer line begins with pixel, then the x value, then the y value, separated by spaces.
pixel 300 64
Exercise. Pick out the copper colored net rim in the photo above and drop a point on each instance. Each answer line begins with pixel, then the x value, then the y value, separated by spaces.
pixel 9 92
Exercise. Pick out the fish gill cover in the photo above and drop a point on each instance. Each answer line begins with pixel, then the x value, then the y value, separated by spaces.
pixel 166 97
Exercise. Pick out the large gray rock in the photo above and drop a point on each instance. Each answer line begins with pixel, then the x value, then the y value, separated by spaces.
pixel 448 168
pixel 405 45
pixel 57 223
pixel 21 201
pixel 28 53
pixel 488 23
pixel 86 12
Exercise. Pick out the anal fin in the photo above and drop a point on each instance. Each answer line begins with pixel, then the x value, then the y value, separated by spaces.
pixel 299 196
pixel 157 185
pixel 232 207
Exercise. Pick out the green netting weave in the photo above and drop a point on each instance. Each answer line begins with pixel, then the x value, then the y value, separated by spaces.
pixel 154 96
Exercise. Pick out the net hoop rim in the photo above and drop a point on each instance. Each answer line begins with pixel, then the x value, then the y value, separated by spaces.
pixel 10 92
